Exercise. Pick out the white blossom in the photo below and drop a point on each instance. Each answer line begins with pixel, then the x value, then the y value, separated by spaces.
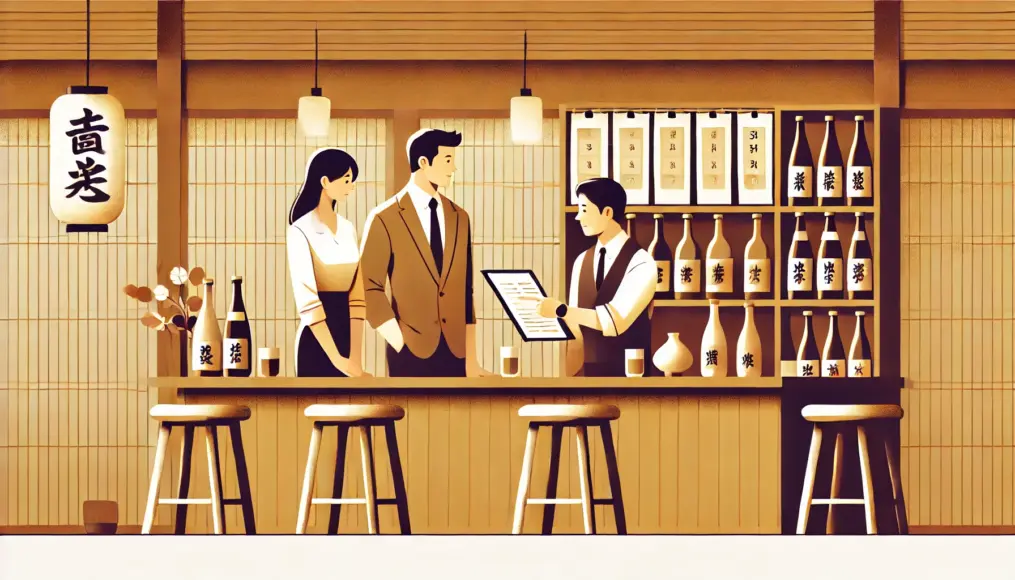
pixel 161 292
pixel 179 275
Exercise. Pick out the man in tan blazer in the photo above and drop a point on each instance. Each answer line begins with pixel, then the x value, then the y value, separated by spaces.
pixel 421 242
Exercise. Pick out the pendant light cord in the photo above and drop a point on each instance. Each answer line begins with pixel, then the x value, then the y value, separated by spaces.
pixel 525 59
pixel 88 42
pixel 315 55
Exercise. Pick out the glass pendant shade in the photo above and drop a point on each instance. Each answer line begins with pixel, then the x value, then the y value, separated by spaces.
pixel 314 114
pixel 526 119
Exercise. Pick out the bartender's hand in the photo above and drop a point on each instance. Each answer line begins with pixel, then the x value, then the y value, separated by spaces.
pixel 547 306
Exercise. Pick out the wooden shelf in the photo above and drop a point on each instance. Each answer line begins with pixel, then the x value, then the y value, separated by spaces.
pixel 464 384
pixel 821 210
pixel 862 304
pixel 694 209
pixel 723 303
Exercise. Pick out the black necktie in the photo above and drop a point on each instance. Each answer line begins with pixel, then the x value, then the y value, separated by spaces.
pixel 435 237
pixel 601 269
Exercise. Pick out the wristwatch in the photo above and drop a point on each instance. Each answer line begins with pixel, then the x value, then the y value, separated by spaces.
pixel 562 311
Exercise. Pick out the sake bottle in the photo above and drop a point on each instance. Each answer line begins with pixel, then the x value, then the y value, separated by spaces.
pixel 833 357
pixel 660 251
pixel 808 360
pixel 859 168
pixel 236 346
pixel 860 264
pixel 860 358
pixel 757 266
pixel 829 270
pixel 829 179
pixel 718 264
pixel 632 232
pixel 800 263
pixel 800 176
pixel 206 353
pixel 713 345
pixel 749 346
pixel 687 264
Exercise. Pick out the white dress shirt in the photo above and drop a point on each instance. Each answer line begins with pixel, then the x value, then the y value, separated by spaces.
pixel 320 261
pixel 421 201
pixel 636 290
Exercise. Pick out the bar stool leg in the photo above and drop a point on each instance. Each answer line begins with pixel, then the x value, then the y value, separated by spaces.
pixel 336 487
pixel 183 490
pixel 868 482
pixel 837 460
pixel 808 491
pixel 556 438
pixel 369 480
pixel 894 472
pixel 308 479
pixel 214 480
pixel 588 515
pixel 525 479
pixel 613 470
pixel 153 487
pixel 397 478
pixel 242 478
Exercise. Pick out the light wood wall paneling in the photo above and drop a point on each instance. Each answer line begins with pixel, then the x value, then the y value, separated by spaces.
pixel 55 29
pixel 73 394
pixel 958 29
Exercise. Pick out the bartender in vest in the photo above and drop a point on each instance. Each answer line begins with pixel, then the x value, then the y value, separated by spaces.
pixel 612 286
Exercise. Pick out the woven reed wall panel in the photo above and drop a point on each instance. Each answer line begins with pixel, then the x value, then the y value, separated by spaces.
pixel 510 192
pixel 75 359
pixel 244 175
pixel 958 320
pixel 958 29
pixel 55 29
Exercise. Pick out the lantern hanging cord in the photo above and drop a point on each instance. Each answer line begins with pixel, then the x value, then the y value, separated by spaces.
pixel 525 58
pixel 315 55
pixel 88 42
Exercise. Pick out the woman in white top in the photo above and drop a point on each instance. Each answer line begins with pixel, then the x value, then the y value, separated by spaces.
pixel 324 266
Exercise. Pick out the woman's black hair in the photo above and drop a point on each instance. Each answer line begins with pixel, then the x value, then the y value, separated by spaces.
pixel 330 162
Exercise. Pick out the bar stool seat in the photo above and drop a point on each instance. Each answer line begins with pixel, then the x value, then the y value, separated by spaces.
pixel 209 418
pixel 869 422
pixel 362 418
pixel 580 417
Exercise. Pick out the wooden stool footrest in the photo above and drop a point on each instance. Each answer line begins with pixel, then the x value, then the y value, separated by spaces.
pixel 189 501
pixel 557 501
pixel 837 501
pixel 338 501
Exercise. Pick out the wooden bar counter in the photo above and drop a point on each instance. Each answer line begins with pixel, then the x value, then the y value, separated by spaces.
pixel 696 455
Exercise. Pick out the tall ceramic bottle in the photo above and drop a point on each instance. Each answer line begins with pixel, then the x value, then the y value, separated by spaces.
pixel 860 363
pixel 749 346
pixel 206 351
pixel 833 358
pixel 757 266
pixel 808 359
pixel 718 264
pixel 687 264
pixel 713 345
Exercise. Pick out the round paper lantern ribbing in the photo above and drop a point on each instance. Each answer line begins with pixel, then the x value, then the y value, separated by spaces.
pixel 87 152
pixel 526 119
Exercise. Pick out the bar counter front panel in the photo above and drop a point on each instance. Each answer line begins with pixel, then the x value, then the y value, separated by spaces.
pixel 690 461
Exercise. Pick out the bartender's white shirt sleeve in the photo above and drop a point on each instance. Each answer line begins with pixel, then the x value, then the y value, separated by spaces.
pixel 301 272
pixel 572 300
pixel 633 296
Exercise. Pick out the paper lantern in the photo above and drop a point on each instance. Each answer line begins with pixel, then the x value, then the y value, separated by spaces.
pixel 314 114
pixel 526 119
pixel 87 167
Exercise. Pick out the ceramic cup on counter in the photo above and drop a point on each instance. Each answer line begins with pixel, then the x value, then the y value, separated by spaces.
pixel 268 361
pixel 634 362
pixel 510 362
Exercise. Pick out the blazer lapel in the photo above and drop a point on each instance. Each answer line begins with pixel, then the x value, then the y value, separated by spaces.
pixel 411 220
pixel 450 235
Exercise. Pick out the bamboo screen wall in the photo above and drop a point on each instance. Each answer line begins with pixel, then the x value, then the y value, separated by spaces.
pixel 244 175
pixel 958 308
pixel 73 398
pixel 512 194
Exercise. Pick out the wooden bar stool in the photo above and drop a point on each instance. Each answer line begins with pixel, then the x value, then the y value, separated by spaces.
pixel 581 417
pixel 209 418
pixel 361 417
pixel 869 421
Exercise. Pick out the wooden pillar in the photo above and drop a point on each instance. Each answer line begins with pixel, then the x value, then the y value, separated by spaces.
pixel 403 124
pixel 887 52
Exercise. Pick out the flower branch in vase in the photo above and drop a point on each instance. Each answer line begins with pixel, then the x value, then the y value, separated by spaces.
pixel 179 313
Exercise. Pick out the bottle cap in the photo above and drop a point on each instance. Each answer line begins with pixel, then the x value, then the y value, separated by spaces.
pixel 860 313
pixel 630 216
pixel 748 304
pixel 799 214
pixel 714 301
pixel 756 215
pixel 828 214
pixel 858 214
pixel 858 118
pixel 686 216
pixel 209 280
pixel 237 278
pixel 798 118
pixel 657 215
pixel 833 313
pixel 829 118
pixel 808 313
pixel 717 216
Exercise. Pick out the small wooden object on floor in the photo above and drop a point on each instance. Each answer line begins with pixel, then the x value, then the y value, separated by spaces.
pixel 872 425
pixel 581 417
pixel 209 418
pixel 362 418
pixel 100 517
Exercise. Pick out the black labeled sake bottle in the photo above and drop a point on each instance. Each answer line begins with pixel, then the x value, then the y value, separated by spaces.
pixel 800 173
pixel 687 264
pixel 859 169
pixel 829 178
pixel 829 266
pixel 236 345
pixel 663 256
pixel 800 264
pixel 808 359
pixel 860 264
pixel 861 362
pixel 833 357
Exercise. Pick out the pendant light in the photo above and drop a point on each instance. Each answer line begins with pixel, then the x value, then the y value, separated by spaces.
pixel 87 152
pixel 526 110
pixel 314 115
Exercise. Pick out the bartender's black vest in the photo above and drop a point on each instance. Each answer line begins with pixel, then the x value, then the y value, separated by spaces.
pixel 604 356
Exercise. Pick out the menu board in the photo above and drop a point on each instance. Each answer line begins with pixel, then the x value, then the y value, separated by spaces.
pixel 589 149
pixel 672 158
pixel 631 156
pixel 755 158
pixel 714 158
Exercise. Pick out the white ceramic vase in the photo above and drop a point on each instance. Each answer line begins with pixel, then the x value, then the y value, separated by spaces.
pixel 749 346
pixel 713 345
pixel 673 357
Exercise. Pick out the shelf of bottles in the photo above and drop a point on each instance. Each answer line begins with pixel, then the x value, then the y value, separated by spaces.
pixel 801 273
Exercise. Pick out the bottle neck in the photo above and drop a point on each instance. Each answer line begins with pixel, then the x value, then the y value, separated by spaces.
pixel 833 325
pixel 859 130
pixel 830 226
pixel 718 229
pixel 209 297
pixel 800 227
pixel 749 314
pixel 757 228
pixel 658 229
pixel 238 296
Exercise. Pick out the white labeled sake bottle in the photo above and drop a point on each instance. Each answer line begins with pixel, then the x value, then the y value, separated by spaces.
pixel 718 264
pixel 860 264
pixel 829 178
pixel 236 346
pixel 206 348
pixel 749 346
pixel 632 232
pixel 800 263
pixel 687 264
pixel 757 265
pixel 713 345
pixel 861 363
pixel 829 267
pixel 833 357
pixel 808 359
pixel 660 251
pixel 800 173
pixel 859 169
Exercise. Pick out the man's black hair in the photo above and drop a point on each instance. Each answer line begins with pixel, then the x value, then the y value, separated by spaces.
pixel 603 192
pixel 426 144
